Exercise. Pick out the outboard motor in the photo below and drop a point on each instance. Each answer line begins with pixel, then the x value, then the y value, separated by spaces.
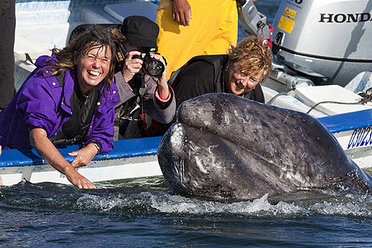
pixel 252 21
pixel 329 41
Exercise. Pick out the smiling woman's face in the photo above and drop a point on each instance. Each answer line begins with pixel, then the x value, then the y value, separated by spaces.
pixel 239 83
pixel 93 66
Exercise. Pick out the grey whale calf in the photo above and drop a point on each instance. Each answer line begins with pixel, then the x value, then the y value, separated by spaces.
pixel 225 147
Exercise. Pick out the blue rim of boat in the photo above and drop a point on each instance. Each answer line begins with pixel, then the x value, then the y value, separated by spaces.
pixel 123 149
pixel 347 121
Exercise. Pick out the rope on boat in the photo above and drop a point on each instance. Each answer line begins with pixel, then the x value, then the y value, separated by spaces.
pixel 277 95
pixel 344 103
pixel 366 97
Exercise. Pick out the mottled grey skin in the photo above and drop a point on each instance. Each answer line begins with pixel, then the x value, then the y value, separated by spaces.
pixel 226 147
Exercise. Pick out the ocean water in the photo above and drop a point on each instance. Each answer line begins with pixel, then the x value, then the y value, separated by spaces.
pixel 144 213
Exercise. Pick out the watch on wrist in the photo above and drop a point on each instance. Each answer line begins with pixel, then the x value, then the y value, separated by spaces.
pixel 97 145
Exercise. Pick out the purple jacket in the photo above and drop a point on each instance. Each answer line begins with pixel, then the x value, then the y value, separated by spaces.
pixel 42 102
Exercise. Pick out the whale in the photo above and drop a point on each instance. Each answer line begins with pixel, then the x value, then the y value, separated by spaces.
pixel 225 147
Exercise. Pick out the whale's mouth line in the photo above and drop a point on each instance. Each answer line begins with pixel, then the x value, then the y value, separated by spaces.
pixel 228 140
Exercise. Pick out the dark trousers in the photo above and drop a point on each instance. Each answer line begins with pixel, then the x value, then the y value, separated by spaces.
pixel 7 31
pixel 130 129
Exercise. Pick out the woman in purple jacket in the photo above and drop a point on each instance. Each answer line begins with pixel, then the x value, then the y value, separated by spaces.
pixel 67 99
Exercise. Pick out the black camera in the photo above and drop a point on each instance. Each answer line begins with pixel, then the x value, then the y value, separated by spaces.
pixel 151 66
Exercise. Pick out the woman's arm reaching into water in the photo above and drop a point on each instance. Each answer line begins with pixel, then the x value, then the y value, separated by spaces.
pixel 39 140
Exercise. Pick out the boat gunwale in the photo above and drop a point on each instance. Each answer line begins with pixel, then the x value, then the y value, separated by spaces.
pixel 123 149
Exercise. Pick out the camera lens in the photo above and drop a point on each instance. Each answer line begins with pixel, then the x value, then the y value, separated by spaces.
pixel 154 68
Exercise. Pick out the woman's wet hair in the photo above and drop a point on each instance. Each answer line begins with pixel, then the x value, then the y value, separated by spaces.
pixel 83 41
pixel 251 56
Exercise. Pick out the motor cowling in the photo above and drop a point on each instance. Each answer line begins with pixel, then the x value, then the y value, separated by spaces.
pixel 326 40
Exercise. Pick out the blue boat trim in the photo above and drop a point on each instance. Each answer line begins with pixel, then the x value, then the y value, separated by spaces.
pixel 123 149
pixel 148 146
pixel 347 121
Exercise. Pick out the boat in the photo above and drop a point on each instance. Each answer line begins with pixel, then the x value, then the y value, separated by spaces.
pixel 286 87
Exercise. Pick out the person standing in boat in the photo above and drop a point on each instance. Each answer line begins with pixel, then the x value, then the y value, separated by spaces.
pixel 147 103
pixel 239 72
pixel 68 99
pixel 7 64
pixel 190 28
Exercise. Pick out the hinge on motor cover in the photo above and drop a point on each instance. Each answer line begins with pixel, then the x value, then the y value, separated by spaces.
pixel 252 21
pixel 260 25
pixel 277 42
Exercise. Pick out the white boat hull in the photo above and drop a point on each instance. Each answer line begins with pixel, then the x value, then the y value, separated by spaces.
pixel 96 171
pixel 357 145
pixel 133 158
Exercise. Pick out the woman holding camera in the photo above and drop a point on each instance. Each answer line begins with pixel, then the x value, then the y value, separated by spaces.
pixel 144 92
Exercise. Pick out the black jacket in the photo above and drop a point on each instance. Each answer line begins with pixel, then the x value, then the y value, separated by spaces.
pixel 204 74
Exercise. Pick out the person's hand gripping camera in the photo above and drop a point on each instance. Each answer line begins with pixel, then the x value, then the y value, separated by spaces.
pixel 152 64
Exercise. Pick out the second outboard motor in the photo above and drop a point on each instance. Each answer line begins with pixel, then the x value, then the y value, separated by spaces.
pixel 329 41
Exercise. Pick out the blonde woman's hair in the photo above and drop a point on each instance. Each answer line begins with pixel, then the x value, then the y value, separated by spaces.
pixel 251 56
